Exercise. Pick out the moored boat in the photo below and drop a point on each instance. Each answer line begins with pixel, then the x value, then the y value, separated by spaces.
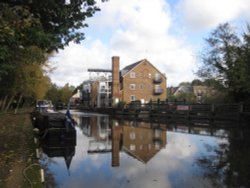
pixel 45 118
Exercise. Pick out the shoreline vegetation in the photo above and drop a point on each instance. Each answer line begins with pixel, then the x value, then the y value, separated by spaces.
pixel 17 151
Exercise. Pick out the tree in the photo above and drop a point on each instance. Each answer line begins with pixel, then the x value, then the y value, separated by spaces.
pixel 28 80
pixel 60 95
pixel 30 30
pixel 49 24
pixel 197 82
pixel 226 61
pixel 185 84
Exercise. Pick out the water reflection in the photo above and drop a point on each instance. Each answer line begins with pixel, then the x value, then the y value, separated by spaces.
pixel 140 140
pixel 97 128
pixel 120 153
pixel 58 143
pixel 229 163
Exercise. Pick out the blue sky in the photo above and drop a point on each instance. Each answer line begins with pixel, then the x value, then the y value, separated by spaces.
pixel 169 33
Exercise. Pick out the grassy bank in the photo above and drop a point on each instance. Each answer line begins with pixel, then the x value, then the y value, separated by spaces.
pixel 17 151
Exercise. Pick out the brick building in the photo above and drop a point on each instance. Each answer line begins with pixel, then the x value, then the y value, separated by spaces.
pixel 140 81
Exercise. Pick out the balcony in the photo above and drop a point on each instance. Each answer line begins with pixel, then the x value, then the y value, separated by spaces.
pixel 158 91
pixel 157 79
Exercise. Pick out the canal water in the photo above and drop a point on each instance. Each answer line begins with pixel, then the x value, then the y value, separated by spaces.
pixel 118 153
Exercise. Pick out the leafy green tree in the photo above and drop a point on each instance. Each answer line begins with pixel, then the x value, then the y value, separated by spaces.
pixel 53 94
pixel 60 95
pixel 30 30
pixel 48 24
pixel 185 84
pixel 188 97
pixel 28 80
pixel 197 82
pixel 225 60
pixel 66 93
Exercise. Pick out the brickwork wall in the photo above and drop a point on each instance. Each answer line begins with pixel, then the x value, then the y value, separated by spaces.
pixel 115 78
pixel 144 84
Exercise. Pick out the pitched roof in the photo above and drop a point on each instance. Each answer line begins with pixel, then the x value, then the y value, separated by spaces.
pixel 131 66
pixel 143 158
pixel 183 89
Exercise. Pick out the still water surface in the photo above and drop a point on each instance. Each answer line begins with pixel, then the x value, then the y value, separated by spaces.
pixel 118 153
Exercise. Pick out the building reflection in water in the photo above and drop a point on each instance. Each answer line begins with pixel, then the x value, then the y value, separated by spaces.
pixel 97 129
pixel 140 140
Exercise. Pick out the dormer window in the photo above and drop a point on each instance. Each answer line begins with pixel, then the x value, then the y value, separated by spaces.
pixel 132 75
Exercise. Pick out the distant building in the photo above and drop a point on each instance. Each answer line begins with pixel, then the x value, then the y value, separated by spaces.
pixel 76 97
pixel 96 91
pixel 140 81
pixel 199 92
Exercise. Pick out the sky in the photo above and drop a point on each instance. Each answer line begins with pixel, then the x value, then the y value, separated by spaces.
pixel 168 33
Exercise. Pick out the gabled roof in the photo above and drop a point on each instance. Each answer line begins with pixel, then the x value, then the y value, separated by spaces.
pixel 184 89
pixel 130 67
pixel 144 159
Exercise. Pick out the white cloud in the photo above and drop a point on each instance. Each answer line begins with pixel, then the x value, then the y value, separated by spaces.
pixel 71 64
pixel 137 29
pixel 205 14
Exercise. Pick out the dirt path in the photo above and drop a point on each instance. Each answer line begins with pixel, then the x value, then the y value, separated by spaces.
pixel 17 149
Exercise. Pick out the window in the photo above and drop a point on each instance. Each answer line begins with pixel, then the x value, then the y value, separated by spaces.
pixel 132 75
pixel 132 147
pixel 149 75
pixel 132 86
pixel 132 98
pixel 132 136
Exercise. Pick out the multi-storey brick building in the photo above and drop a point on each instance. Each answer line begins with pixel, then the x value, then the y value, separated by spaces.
pixel 140 81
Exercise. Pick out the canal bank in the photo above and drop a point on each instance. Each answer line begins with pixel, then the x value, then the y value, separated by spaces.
pixel 17 151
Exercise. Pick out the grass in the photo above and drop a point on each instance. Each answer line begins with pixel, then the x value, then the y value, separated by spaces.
pixel 17 150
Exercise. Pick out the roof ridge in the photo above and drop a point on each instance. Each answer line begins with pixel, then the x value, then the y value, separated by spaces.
pixel 133 65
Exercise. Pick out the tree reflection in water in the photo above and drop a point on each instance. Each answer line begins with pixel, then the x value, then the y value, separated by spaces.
pixel 229 163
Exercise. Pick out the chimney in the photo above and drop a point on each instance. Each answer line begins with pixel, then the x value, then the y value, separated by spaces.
pixel 116 136
pixel 115 79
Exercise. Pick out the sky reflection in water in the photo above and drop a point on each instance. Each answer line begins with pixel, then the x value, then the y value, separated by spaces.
pixel 142 156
